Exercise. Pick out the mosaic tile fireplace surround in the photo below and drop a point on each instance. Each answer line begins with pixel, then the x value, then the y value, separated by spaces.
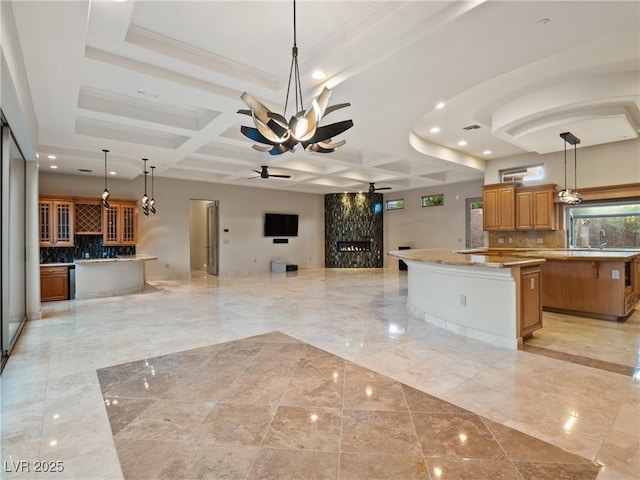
pixel 353 230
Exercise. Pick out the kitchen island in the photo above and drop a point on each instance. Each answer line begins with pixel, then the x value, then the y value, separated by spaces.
pixel 489 298
pixel 598 283
pixel 106 277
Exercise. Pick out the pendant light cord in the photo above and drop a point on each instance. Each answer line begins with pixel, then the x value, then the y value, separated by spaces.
pixel 105 168
pixel 565 165
pixel 145 176
pixel 575 167
pixel 294 71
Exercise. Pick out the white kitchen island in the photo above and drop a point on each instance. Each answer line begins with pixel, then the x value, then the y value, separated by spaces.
pixel 494 299
pixel 107 277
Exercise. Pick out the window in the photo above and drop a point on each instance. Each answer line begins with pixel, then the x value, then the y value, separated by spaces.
pixel 433 200
pixel 395 204
pixel 522 174
pixel 604 225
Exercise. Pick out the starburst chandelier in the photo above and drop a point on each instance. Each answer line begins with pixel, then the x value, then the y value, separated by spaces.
pixel 278 136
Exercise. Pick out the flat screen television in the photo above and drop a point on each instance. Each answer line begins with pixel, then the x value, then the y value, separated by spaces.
pixel 280 225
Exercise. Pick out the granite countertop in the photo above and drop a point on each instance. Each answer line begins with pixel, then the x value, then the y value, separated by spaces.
pixel 57 264
pixel 559 253
pixel 449 257
pixel 591 255
pixel 139 257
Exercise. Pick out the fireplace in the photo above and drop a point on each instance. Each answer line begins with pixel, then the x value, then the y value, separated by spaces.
pixel 355 246
pixel 353 230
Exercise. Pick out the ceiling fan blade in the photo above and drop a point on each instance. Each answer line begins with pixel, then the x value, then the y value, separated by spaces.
pixel 280 176
pixel 383 188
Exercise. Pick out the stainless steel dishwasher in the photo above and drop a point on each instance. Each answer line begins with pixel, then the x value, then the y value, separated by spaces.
pixel 72 282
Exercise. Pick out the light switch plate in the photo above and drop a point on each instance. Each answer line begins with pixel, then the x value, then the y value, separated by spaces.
pixel 615 274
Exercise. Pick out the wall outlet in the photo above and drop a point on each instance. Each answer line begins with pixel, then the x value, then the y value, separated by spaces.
pixel 539 241
pixel 615 274
pixel 500 240
pixel 510 240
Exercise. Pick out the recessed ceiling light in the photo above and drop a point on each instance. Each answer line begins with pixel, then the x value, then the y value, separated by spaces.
pixel 318 75
pixel 435 130
pixel 112 173
pixel 543 22
pixel 54 166
pixel 462 143
pixel 51 157
pixel 487 152
pixel 440 105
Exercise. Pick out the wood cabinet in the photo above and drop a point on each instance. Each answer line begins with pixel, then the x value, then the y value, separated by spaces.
pixel 61 218
pixel 632 281
pixel 595 288
pixel 510 207
pixel 498 206
pixel 54 283
pixel 56 222
pixel 120 223
pixel 535 209
pixel 530 300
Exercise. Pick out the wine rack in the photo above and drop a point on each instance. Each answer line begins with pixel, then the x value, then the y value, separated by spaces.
pixel 88 219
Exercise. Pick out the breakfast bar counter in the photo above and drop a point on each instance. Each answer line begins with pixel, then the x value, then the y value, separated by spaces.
pixel 490 298
pixel 106 277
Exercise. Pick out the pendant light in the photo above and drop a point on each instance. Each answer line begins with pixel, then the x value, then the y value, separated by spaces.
pixel 279 136
pixel 105 194
pixel 152 202
pixel 145 197
pixel 567 196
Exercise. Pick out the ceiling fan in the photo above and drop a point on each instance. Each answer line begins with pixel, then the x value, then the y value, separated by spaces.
pixel 372 188
pixel 264 173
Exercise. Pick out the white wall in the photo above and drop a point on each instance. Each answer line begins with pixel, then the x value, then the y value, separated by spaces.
pixel 243 249
pixel 609 164
pixel 15 96
pixel 442 226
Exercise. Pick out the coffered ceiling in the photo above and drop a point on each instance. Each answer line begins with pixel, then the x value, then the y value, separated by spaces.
pixel 162 80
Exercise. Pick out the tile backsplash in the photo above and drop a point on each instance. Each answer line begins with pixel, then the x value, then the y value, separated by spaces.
pixel 86 246
pixel 528 239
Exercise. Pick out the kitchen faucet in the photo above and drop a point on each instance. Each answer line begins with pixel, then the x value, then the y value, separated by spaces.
pixel 601 236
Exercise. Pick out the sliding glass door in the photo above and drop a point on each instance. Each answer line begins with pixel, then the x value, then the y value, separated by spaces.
pixel 13 239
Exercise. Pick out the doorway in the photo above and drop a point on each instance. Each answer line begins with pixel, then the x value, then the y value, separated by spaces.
pixel 473 217
pixel 204 235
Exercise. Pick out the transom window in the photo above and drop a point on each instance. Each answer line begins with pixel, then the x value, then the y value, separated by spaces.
pixel 522 174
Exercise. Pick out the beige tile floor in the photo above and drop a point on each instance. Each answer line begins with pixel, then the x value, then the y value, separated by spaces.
pixel 53 407
pixel 271 406
pixel 616 348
